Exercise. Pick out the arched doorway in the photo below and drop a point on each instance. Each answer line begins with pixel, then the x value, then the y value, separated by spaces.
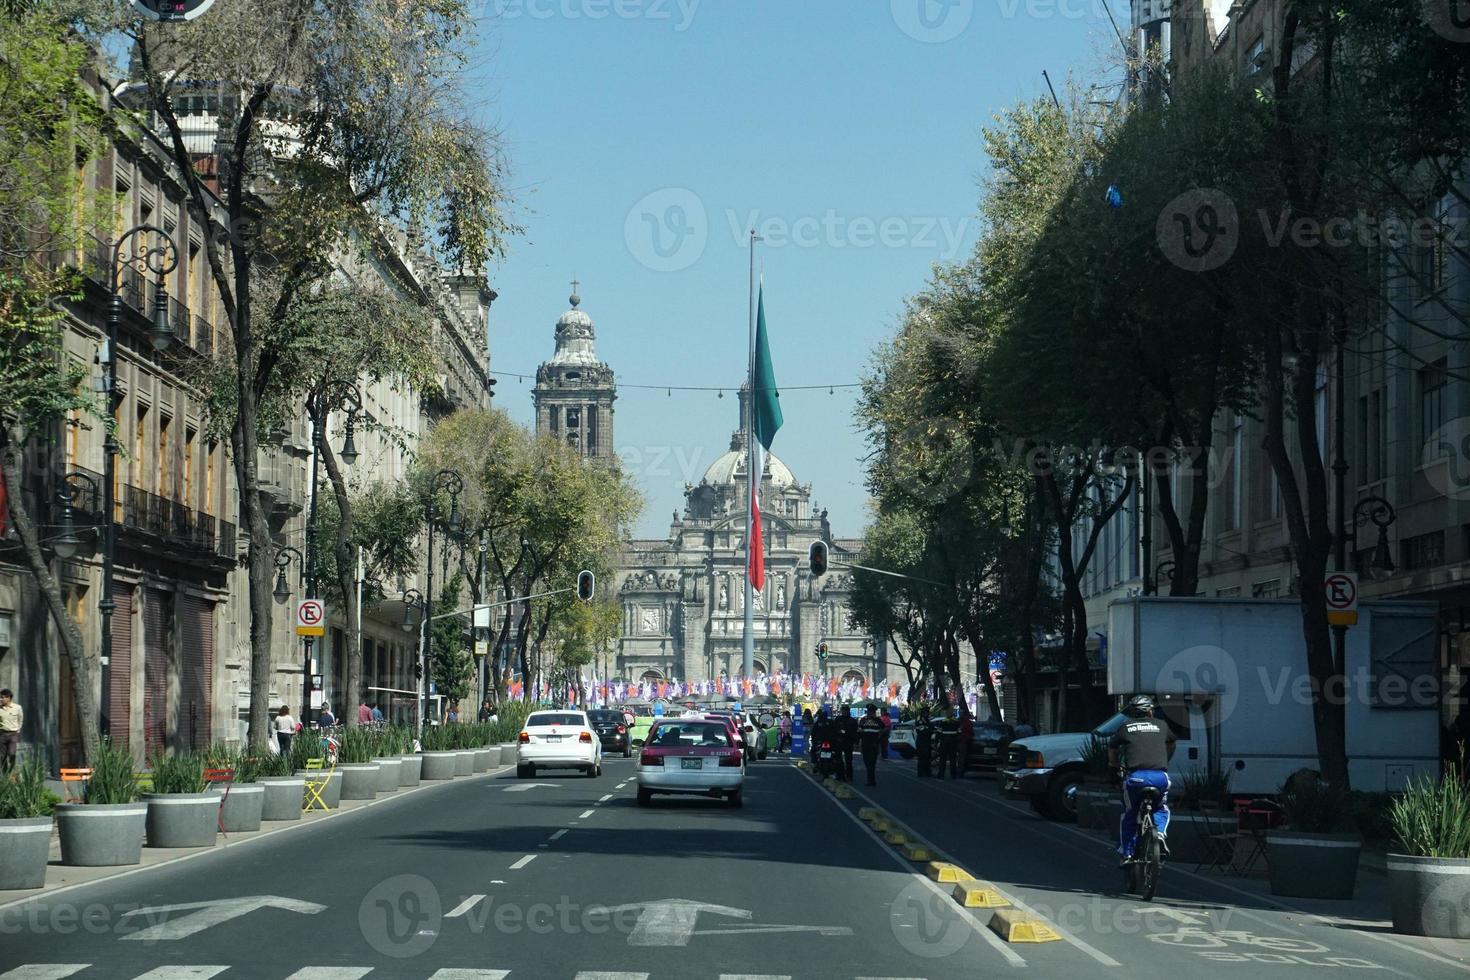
pixel 652 676
pixel 759 666
pixel 853 675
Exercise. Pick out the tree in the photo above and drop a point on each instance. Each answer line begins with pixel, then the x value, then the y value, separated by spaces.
pixel 333 120
pixel 51 128
pixel 450 665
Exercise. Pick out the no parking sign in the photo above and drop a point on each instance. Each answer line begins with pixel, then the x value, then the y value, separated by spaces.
pixel 311 617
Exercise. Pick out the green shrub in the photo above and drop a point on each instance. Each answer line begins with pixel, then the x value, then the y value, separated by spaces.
pixel 1095 759
pixel 272 764
pixel 1432 818
pixel 23 793
pixel 181 773
pixel 1204 785
pixel 1371 814
pixel 247 767
pixel 357 746
pixel 113 779
pixel 307 745
pixel 1311 805
pixel 436 738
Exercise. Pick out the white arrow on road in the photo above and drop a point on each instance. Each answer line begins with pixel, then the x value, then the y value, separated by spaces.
pixel 671 922
pixel 522 787
pixel 206 914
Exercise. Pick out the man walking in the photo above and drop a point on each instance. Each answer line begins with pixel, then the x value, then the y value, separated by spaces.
pixel 924 742
pixel 364 713
pixel 871 732
pixel 949 744
pixel 11 717
pixel 847 736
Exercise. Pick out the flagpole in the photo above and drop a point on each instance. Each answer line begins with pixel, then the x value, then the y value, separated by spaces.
pixel 748 661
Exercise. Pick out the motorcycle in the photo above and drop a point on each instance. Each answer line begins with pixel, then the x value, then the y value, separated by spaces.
pixel 827 762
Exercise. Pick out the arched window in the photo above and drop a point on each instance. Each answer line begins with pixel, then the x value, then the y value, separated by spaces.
pixel 758 666
pixel 853 675
pixel 652 676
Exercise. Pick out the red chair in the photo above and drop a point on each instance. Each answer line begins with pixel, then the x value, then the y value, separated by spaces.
pixel 226 776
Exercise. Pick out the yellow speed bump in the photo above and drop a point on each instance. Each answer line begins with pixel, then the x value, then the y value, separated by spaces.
pixel 845 793
pixel 896 837
pixel 917 853
pixel 979 895
pixel 1016 927
pixel 882 825
pixel 946 873
pixel 868 814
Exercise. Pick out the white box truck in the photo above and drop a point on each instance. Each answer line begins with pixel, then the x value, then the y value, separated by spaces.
pixel 1231 679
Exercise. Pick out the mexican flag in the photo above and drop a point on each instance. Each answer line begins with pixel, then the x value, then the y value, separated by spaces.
pixel 765 419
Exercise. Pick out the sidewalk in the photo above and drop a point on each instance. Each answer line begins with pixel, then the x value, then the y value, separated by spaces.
pixel 60 877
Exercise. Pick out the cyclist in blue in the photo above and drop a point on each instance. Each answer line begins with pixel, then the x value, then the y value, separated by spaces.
pixel 1143 747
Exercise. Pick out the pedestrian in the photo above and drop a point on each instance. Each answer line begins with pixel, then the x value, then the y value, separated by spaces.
pixel 325 719
pixel 887 721
pixel 487 713
pixel 810 726
pixel 285 729
pixel 967 734
pixel 924 742
pixel 376 715
pixel 784 744
pixel 870 731
pixel 847 737
pixel 364 713
pixel 453 716
pixel 948 730
pixel 11 718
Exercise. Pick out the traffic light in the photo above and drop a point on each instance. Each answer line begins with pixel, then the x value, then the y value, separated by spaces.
pixel 586 585
pixel 822 650
pixel 818 558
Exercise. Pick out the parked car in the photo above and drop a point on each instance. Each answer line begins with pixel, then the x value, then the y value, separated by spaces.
pixel 903 740
pixel 697 755
pixel 558 740
pixel 612 729
pixel 988 746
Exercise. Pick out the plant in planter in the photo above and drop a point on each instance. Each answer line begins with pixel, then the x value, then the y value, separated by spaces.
pixel 108 828
pixel 355 755
pixel 243 801
pixel 1315 855
pixel 25 826
pixel 283 789
pixel 439 758
pixel 182 812
pixel 1429 873
pixel 386 752
pixel 409 762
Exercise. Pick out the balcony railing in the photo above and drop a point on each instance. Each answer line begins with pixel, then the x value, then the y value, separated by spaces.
pixel 203 342
pixel 176 523
pixel 178 318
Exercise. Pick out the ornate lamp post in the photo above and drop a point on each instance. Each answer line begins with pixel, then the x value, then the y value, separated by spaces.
pixel 1165 570
pixel 1381 513
pixel 282 590
pixel 452 482
pixel 71 488
pixel 160 256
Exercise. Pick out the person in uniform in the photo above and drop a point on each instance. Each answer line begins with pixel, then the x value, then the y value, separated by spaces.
pixel 924 742
pixel 871 733
pixel 847 737
pixel 949 744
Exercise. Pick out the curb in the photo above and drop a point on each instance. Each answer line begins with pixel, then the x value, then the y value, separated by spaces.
pixel 220 846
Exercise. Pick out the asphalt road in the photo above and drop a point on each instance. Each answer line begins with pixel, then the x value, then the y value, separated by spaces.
pixel 564 876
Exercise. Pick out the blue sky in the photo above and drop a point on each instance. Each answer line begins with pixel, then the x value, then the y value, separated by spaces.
pixel 646 136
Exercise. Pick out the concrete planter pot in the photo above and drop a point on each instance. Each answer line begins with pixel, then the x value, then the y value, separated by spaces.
pixel 1430 896
pixel 1189 832
pixel 508 753
pixel 97 835
pixel 182 819
pixel 359 780
pixel 331 793
pixel 242 808
pixel 437 765
pixel 464 762
pixel 1313 865
pixel 388 770
pixel 25 846
pixel 409 767
pixel 282 797
pixel 1091 801
pixel 485 757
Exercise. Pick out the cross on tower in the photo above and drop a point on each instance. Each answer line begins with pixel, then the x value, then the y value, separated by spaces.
pixel 576 299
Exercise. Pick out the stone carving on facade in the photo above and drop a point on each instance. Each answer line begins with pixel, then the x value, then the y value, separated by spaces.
pixel 724 594
pixel 826 617
pixel 781 597
pixel 649 622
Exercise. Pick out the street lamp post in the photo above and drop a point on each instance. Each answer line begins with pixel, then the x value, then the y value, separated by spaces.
pixel 454 484
pixel 282 591
pixel 1382 515
pixel 327 398
pixel 67 544
pixel 160 257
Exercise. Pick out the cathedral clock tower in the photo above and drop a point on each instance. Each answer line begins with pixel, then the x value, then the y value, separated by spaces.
pixel 575 391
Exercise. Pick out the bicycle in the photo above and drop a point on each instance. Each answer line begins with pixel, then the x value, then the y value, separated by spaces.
pixel 1141 874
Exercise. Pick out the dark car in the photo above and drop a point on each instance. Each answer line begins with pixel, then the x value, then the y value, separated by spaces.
pixel 612 728
pixel 989 746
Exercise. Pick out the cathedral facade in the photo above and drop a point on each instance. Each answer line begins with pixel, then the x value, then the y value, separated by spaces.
pixel 683 596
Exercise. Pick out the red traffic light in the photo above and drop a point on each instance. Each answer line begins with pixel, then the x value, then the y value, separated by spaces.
pixel 817 557
pixel 586 585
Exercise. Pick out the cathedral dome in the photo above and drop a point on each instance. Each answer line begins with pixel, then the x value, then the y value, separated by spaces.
pixel 730 469
pixel 575 337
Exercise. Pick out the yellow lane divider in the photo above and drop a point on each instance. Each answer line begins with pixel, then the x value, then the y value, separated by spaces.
pixel 979 895
pixel 896 837
pixel 1016 927
pixel 946 873
pixel 918 853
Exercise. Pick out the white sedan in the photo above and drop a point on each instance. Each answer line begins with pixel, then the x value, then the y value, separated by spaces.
pixel 558 740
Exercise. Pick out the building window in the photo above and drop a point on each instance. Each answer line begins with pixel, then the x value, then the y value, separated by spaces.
pixel 1267 590
pixel 1435 254
pixel 1321 405
pixel 1237 470
pixel 1423 551
pixel 7 628
pixel 1231 593
pixel 1432 383
pixel 1255 57
pixel 1372 435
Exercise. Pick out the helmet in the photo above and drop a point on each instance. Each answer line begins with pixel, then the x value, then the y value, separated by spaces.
pixel 1139 706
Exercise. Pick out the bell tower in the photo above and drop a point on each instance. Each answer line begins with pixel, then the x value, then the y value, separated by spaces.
pixel 575 391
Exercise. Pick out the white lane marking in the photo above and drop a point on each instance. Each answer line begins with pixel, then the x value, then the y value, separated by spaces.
pixel 523 862
pixel 594 975
pixel 207 914
pixel 331 973
pixel 181 973
pixel 1011 956
pixel 585 815
pixel 754 976
pixel 559 834
pixel 449 973
pixel 464 906
pixel 605 798
pixel 44 971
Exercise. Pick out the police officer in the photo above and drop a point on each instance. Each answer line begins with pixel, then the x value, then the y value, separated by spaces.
pixel 871 731
pixel 949 744
pixel 821 731
pixel 1143 746
pixel 924 742
pixel 847 737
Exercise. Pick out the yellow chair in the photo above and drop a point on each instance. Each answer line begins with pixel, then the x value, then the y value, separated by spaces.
pixel 315 785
